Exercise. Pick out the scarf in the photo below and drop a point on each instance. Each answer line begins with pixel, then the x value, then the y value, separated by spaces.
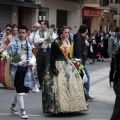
pixel 62 48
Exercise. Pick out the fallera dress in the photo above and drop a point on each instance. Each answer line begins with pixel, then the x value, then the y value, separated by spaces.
pixel 63 93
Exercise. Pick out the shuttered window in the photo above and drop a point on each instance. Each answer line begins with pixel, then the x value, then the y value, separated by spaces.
pixel 5 16
pixel 61 18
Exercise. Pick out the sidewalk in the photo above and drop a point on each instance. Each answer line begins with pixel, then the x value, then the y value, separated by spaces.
pixel 99 85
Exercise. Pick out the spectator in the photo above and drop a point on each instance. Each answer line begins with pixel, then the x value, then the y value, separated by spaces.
pixel 113 44
pixel 80 51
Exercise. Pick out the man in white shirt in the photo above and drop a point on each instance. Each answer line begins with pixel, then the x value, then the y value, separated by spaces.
pixel 43 41
pixel 31 38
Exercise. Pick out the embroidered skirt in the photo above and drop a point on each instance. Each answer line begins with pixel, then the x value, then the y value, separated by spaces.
pixel 64 93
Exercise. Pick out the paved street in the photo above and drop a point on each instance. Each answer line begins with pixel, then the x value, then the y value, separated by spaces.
pixel 100 108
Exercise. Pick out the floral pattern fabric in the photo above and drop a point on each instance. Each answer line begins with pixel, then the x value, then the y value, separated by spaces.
pixel 2 72
pixel 63 93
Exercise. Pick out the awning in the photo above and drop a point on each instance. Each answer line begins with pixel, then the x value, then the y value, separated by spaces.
pixel 22 4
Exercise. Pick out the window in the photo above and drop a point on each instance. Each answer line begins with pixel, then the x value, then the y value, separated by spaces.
pixel 111 1
pixel 20 0
pixel 61 18
pixel 43 14
pixel 105 2
pixel 117 1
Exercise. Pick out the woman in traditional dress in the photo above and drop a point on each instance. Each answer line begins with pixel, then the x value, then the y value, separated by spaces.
pixel 6 38
pixel 4 64
pixel 62 86
pixel 14 31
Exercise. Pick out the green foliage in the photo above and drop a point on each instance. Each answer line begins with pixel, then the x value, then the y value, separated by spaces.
pixel 15 58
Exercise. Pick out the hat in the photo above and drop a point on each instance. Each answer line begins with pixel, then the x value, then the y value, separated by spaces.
pixel 36 25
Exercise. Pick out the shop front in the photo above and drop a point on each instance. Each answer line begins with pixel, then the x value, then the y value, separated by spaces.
pixel 91 17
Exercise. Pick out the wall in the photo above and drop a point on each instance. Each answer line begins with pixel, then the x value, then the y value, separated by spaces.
pixel 14 15
pixel 29 17
pixel 73 9
pixel 75 19
pixel 52 16
pixel 94 23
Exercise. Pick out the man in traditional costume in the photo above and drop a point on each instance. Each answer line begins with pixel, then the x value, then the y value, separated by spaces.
pixel 43 40
pixel 21 62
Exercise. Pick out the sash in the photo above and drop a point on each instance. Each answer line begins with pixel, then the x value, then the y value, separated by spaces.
pixel 62 48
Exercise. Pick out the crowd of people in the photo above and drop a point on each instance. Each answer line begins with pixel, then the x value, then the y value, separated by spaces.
pixel 60 58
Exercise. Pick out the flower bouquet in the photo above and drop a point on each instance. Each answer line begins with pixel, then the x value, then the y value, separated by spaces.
pixel 14 58
pixel 78 64
pixel 3 55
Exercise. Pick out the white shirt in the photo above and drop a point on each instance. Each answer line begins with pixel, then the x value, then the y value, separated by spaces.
pixel 39 39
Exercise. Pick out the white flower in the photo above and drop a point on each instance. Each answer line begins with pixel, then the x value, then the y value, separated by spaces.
pixel 4 54
pixel 23 58
pixel 78 60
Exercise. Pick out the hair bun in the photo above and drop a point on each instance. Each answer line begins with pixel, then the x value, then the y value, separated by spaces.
pixel 61 29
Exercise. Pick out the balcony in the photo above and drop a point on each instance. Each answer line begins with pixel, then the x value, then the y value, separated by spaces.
pixel 99 4
pixel 75 1
pixel 114 6
pixel 21 3
pixel 30 0
pixel 91 3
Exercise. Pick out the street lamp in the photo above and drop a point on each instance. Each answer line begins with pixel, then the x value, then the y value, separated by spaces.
pixel 119 12
pixel 80 2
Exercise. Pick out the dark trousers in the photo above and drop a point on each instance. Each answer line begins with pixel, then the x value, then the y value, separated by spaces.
pixel 112 67
pixel 116 110
pixel 43 60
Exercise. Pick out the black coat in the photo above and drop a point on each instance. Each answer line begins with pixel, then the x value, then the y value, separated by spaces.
pixel 117 67
pixel 80 50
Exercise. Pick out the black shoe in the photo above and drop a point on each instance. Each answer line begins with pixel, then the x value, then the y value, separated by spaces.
pixel 91 62
pixel 89 98
pixel 40 87
pixel 111 84
pixel 98 59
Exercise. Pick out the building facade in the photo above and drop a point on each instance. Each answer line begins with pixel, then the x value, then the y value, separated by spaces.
pixel 71 13
pixel 18 12
pixel 60 12
pixel 28 12
pixel 101 15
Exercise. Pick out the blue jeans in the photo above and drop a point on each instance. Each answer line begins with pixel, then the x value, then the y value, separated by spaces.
pixel 87 84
